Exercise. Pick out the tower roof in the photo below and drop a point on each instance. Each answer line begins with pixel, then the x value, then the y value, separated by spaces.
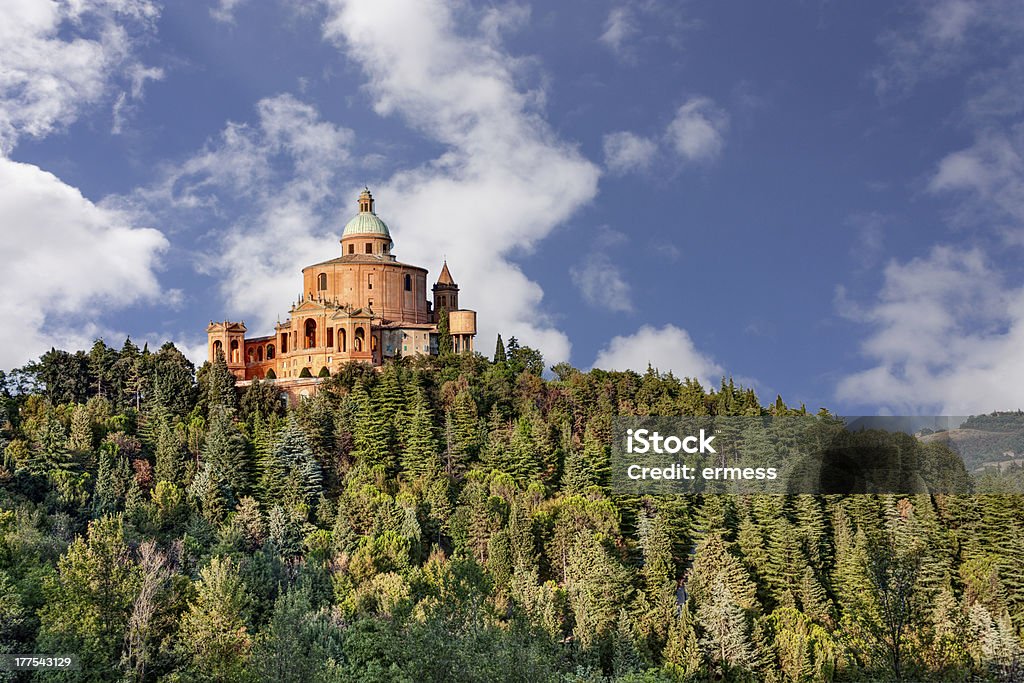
pixel 445 278
pixel 366 222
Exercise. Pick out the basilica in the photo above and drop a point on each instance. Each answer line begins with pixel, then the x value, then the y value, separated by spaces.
pixel 364 305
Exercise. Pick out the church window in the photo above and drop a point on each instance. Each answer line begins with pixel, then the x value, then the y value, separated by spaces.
pixel 284 343
pixel 217 348
pixel 270 352
pixel 351 248
pixel 359 338
pixel 259 354
pixel 321 281
pixel 252 355
pixel 310 330
pixel 330 337
pixel 408 282
pixel 369 247
pixel 235 357
pixel 341 340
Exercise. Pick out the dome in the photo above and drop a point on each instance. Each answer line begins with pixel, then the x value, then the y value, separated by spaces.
pixel 366 222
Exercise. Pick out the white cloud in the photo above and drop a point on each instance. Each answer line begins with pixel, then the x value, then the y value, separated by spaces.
pixel 944 37
pixel 599 280
pixel 504 180
pixel 284 171
pixel 698 129
pixel 601 283
pixel 667 348
pixel 66 260
pixel 619 30
pixel 625 152
pixel 947 335
pixel 225 10
pixel 991 173
pixel 61 57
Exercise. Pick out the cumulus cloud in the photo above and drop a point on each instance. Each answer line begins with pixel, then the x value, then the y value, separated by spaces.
pixel 66 261
pixel 946 337
pixel 282 172
pixel 990 174
pixel 625 152
pixel 667 348
pixel 696 134
pixel 503 181
pixel 698 129
pixel 61 57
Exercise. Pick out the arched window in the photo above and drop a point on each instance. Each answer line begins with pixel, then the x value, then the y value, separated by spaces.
pixel 218 348
pixel 251 355
pixel 360 337
pixel 321 281
pixel 408 282
pixel 235 353
pixel 259 354
pixel 270 352
pixel 341 339
pixel 310 330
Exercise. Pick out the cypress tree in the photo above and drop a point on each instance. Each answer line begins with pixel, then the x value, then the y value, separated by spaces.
pixel 445 345
pixel 499 351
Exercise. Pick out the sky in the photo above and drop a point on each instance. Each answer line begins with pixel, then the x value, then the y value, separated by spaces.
pixel 823 200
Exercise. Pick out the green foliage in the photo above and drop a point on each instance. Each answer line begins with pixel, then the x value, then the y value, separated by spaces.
pixel 445 344
pixel 452 519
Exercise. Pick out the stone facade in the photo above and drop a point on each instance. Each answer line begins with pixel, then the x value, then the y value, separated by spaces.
pixel 362 306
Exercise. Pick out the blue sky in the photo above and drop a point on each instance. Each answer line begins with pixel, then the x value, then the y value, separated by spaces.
pixel 822 199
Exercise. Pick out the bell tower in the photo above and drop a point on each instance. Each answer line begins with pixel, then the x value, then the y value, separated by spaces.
pixel 446 292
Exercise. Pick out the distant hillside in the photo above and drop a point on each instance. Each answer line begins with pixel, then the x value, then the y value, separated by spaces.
pixel 977 446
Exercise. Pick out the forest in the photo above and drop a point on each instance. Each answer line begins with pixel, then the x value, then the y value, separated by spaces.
pixel 450 518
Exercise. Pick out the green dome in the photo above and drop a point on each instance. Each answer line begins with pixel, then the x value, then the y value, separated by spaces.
pixel 366 223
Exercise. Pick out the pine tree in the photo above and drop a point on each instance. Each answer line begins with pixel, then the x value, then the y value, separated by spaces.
pixel 374 434
pixel 302 474
pixel 726 641
pixel 226 456
pixel 419 457
pixel 682 654
pixel 170 455
pixel 461 433
pixel 219 386
pixel 499 351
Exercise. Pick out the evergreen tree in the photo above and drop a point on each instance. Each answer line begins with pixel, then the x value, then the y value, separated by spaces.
pixel 214 638
pixel 226 456
pixel 445 345
pixel 499 351
pixel 419 456
pixel 88 600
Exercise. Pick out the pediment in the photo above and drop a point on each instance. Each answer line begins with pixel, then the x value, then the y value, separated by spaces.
pixel 309 307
